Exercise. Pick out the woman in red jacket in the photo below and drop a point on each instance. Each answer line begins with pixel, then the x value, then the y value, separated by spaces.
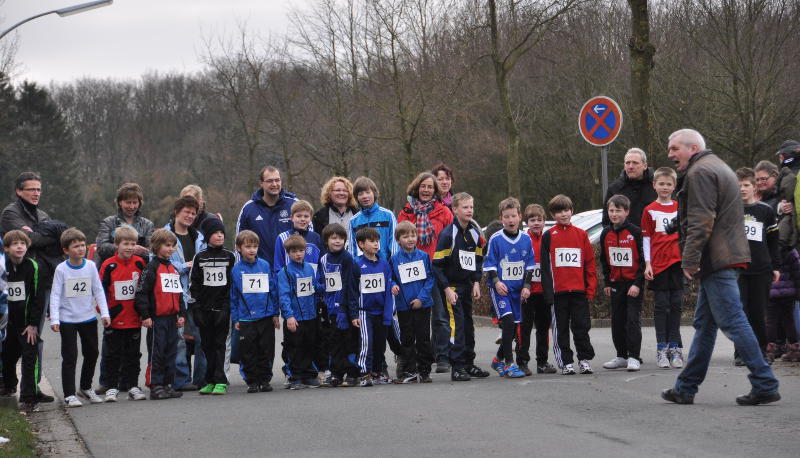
pixel 430 216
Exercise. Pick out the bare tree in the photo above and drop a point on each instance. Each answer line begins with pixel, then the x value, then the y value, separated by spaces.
pixel 641 55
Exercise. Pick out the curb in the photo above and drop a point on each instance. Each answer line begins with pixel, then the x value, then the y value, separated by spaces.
pixel 56 433
pixel 486 322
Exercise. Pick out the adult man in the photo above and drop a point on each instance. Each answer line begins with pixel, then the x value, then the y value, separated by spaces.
pixel 714 248
pixel 24 214
pixel 636 183
pixel 268 213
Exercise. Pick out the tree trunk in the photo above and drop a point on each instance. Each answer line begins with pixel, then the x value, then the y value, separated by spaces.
pixel 642 52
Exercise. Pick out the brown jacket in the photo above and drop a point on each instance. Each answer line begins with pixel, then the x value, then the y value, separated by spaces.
pixel 711 216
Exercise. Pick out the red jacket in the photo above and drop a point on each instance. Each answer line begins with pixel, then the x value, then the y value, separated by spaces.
pixel 160 293
pixel 536 244
pixel 621 254
pixel 122 276
pixel 440 217
pixel 664 249
pixel 567 262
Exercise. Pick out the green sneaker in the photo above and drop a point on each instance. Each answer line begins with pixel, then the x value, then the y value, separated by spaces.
pixel 220 388
pixel 208 389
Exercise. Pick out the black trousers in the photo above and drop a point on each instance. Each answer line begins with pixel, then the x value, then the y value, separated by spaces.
pixel 415 336
pixel 534 313
pixel 257 349
pixel 341 347
pixel 162 345
pixel 462 327
pixel 754 292
pixel 626 324
pixel 667 289
pixel 508 330
pixel 69 354
pixel 213 326
pixel 122 357
pixel 571 312
pixel 15 347
pixel 780 321
pixel 300 348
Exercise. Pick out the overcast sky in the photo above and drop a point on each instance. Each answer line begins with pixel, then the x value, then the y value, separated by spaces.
pixel 130 37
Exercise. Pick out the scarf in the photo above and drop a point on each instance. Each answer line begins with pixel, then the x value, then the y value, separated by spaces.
pixel 423 223
pixel 447 199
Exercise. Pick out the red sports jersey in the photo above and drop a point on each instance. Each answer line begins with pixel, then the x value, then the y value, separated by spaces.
pixel 663 249
pixel 567 262
pixel 621 255
pixel 536 281
pixel 120 279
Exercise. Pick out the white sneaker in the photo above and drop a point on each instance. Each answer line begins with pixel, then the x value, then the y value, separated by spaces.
pixel 676 357
pixel 585 367
pixel 73 401
pixel 662 360
pixel 633 364
pixel 568 370
pixel 111 395
pixel 136 394
pixel 91 396
pixel 616 363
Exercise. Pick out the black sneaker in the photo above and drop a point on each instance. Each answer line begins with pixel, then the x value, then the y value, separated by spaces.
pixel 475 371
pixel 738 361
pixel 460 375
pixel 312 382
pixel 425 377
pixel 677 397
pixel 158 393
pixel 41 397
pixel 407 377
pixel 546 368
pixel 265 387
pixel 525 369
pixel 335 381
pixel 173 393
pixel 253 388
pixel 754 399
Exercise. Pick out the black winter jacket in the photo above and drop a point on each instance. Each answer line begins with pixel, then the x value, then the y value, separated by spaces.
pixel 640 192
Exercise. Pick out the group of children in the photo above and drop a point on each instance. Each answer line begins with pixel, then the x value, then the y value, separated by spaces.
pixel 340 300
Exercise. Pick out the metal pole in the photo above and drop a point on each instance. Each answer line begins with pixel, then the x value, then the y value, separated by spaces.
pixel 604 160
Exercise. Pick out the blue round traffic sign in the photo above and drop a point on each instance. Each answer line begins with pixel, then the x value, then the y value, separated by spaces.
pixel 600 121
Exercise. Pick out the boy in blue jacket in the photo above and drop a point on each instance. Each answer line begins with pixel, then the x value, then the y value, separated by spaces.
pixel 375 306
pixel 338 340
pixel 297 286
pixel 254 312
pixel 411 269
pixel 301 220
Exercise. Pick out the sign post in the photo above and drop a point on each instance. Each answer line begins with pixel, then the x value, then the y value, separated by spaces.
pixel 599 123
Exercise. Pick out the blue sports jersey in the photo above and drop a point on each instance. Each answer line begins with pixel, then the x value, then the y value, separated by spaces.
pixel 510 259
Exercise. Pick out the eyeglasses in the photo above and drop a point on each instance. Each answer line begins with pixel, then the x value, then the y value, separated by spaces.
pixel 39 190
pixel 760 179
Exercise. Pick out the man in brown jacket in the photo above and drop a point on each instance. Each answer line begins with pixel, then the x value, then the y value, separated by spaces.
pixel 714 249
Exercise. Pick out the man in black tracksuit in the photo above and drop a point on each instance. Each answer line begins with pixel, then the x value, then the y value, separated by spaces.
pixel 210 290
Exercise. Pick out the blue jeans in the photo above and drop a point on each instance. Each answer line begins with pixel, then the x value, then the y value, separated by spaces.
pixel 183 374
pixel 719 307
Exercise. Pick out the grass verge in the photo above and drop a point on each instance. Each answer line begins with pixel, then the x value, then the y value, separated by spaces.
pixel 15 426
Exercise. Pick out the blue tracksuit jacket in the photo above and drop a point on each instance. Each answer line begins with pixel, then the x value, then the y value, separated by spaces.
pixel 298 299
pixel 421 289
pixel 368 274
pixel 380 219
pixel 266 221
pixel 252 306
pixel 313 248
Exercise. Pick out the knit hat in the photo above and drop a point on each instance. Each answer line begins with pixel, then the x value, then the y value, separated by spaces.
pixel 211 225
pixel 789 148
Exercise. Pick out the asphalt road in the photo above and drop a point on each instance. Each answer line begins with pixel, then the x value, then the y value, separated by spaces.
pixel 609 413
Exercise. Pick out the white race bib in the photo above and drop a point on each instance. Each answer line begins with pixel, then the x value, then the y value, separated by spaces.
pixel 333 281
pixel 513 270
pixel 78 287
pixel 16 291
pixel 467 260
pixel 754 230
pixel 412 271
pixel 214 276
pixel 372 283
pixel 620 257
pixel 124 290
pixel 568 257
pixel 537 274
pixel 171 283
pixel 663 219
pixel 305 287
pixel 255 283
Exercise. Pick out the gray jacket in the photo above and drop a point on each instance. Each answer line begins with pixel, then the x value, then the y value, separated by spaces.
pixel 105 235
pixel 711 216
pixel 16 215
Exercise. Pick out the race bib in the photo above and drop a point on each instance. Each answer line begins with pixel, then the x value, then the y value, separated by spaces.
pixel 662 220
pixel 620 257
pixel 513 270
pixel 568 257
pixel 372 283
pixel 16 291
pixel 214 276
pixel 754 230
pixel 255 283
pixel 412 271
pixel 124 290
pixel 305 287
pixel 78 287
pixel 467 260
pixel 333 282
pixel 537 274
pixel 171 283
